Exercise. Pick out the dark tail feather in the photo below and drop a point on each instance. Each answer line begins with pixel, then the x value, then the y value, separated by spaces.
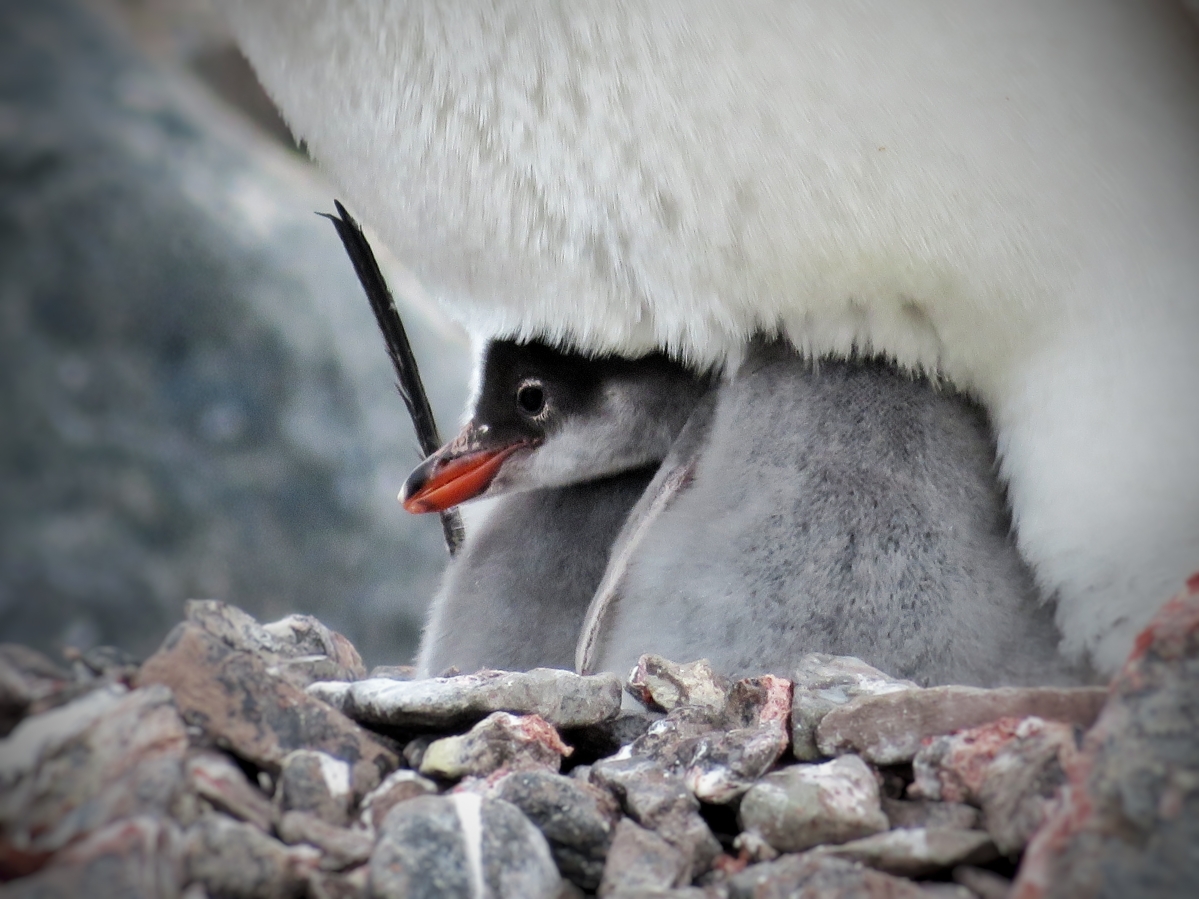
pixel 408 381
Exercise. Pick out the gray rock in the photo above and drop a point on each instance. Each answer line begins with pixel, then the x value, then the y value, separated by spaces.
pixel 339 885
pixel 811 876
pixel 660 801
pixel 1128 821
pixel 399 786
pixel 929 813
pixel 238 861
pixel 109 755
pixel 560 697
pixel 576 818
pixel 983 883
pixel 341 847
pixel 234 698
pixel 461 846
pixel 135 858
pixel 501 741
pixel 806 805
pixel 917 852
pixel 664 685
pixel 641 862
pixel 317 783
pixel 821 683
pixel 217 779
pixel 888 729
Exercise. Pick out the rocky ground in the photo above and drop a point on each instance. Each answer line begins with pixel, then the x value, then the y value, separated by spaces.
pixel 249 760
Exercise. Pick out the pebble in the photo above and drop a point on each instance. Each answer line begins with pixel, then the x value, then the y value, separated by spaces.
pixel 918 851
pixel 802 806
pixel 315 782
pixel 823 682
pixel 214 777
pixel 501 741
pixel 664 685
pixel 341 847
pixel 640 861
pixel 399 786
pixel 819 877
pixel 890 728
pixel 929 813
pixel 238 861
pixel 239 704
pixel 461 845
pixel 560 697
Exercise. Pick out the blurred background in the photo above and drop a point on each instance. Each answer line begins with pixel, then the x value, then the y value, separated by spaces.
pixel 194 399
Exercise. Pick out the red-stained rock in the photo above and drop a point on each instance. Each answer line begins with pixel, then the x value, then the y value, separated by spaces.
pixel 501 741
pixel 138 858
pixel 262 717
pixel 1127 822
pixel 109 755
pixel 890 728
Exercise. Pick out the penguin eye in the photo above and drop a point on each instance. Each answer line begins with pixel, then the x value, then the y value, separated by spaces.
pixel 530 397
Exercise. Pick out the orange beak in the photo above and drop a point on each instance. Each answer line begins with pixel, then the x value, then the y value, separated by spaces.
pixel 448 478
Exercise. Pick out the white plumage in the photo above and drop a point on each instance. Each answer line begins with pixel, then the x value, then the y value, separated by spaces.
pixel 1005 194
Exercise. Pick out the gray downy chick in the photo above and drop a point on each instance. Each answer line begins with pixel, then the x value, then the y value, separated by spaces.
pixel 842 507
pixel 568 444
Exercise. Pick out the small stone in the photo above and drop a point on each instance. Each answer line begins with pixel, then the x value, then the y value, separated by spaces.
pixel 805 805
pixel 917 852
pixel 399 786
pixel 341 847
pixel 725 764
pixel 339 885
pixel 819 876
pixel 665 685
pixel 577 820
pixel 216 778
pixel 1127 821
pixel 1012 768
pixel 983 883
pixel 308 637
pixel 822 683
pixel 461 845
pixel 232 626
pixel 560 697
pixel 235 860
pixel 501 741
pixel 137 857
pixel 660 801
pixel 890 728
pixel 260 716
pixel 928 813
pixel 640 861
pixel 315 782
pixel 110 755
pixel 28 680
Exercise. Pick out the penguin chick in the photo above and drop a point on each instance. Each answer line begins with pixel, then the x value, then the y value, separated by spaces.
pixel 571 443
pixel 842 507
pixel 550 418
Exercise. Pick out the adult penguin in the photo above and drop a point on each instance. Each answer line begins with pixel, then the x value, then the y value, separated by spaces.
pixel 1002 195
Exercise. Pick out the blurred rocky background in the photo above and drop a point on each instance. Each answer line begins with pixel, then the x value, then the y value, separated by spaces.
pixel 194 400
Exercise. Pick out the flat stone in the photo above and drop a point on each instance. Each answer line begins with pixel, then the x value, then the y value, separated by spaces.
pixel 134 858
pixel 317 783
pixel 917 852
pixel 823 682
pixel 816 876
pixel 217 779
pixel 65 778
pixel 461 845
pixel 1127 822
pixel 399 786
pixel 562 698
pixel 660 801
pixel 577 819
pixel 500 742
pixel 231 695
pixel 802 806
pixel 341 847
pixel 1011 768
pixel 664 685
pixel 641 862
pixel 930 813
pixel 890 728
pixel 238 861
